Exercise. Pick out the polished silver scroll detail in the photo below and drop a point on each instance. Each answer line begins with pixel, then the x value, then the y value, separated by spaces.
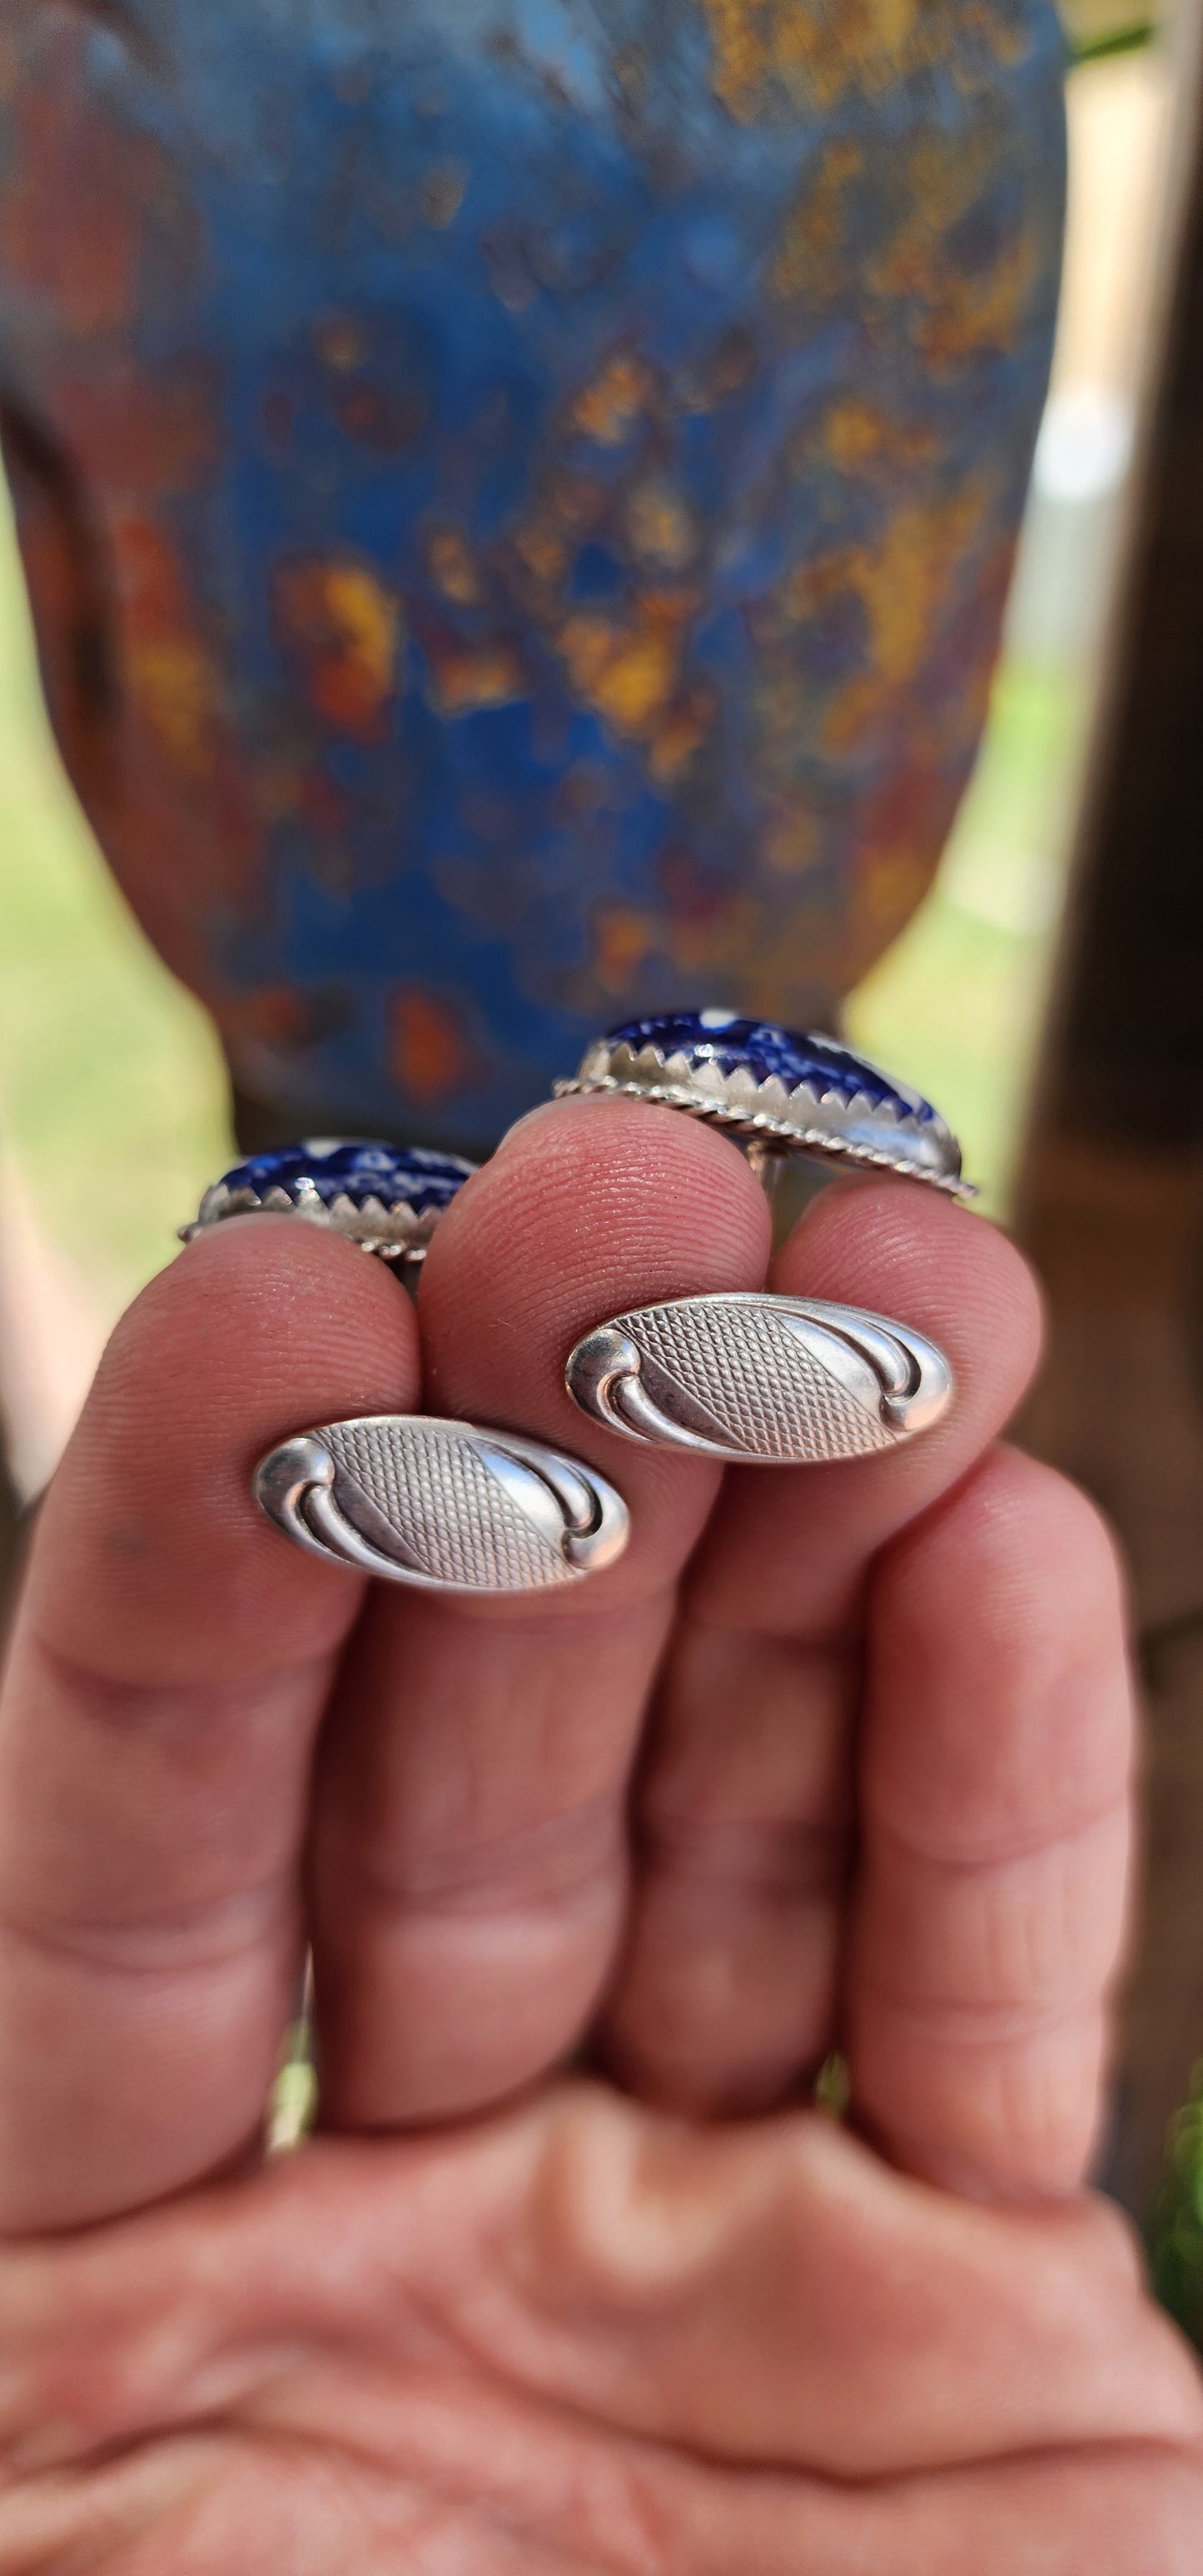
pixel 778 1381
pixel 445 1505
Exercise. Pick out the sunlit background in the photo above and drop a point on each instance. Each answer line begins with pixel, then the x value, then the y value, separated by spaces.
pixel 113 1108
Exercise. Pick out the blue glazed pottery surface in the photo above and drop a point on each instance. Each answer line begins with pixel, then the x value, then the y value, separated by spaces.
pixel 519 499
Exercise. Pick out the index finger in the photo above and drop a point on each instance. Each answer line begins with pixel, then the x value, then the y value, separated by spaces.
pixel 168 1672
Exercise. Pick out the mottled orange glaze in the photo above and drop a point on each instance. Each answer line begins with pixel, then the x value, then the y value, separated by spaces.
pixel 431 1053
pixel 629 673
pixel 680 733
pixel 811 260
pixel 346 631
pixel 813 52
pixel 452 567
pixel 173 682
pixel 607 409
pixel 483 673
pixel 622 938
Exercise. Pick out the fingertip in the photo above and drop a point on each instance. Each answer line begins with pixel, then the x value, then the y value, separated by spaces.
pixel 913 1255
pixel 1018 1556
pixel 151 1554
pixel 614 1184
pixel 589 1208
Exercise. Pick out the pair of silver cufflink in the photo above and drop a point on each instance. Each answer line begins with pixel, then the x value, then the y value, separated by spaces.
pixel 746 1378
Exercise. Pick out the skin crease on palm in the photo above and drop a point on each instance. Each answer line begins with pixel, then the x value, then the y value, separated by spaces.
pixel 570 2284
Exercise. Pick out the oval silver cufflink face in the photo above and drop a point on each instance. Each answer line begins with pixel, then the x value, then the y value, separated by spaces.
pixel 447 1506
pixel 775 1381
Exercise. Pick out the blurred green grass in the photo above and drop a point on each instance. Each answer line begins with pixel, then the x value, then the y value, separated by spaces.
pixel 112 1091
pixel 958 1003
pixel 1176 2234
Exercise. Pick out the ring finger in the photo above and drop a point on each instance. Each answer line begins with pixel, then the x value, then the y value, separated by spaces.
pixel 746 1827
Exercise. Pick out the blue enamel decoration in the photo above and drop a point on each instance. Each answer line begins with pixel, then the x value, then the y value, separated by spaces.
pixel 359 1172
pixel 717 1037
pixel 786 1090
pixel 387 1198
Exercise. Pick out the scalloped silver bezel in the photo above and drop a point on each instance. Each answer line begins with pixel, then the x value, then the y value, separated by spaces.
pixel 392 1233
pixel 801 1121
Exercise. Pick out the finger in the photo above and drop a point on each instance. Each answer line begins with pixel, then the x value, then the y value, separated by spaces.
pixel 990 1907
pixel 170 1666
pixel 769 2298
pixel 470 1861
pixel 745 1826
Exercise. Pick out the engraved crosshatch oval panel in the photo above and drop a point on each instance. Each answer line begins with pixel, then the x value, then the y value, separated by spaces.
pixel 442 1508
pixel 447 1506
pixel 771 1380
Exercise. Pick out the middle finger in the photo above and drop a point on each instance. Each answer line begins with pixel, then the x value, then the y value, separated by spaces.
pixel 469 1863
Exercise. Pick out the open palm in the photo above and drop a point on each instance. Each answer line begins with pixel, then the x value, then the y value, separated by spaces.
pixel 833 1755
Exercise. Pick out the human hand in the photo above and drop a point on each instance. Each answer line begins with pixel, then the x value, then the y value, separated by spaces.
pixel 877 1717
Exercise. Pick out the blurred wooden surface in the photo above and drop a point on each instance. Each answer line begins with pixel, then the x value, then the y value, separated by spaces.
pixel 1112 1199
pixel 1118 1235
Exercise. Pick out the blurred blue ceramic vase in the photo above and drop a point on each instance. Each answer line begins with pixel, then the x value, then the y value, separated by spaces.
pixel 519 497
